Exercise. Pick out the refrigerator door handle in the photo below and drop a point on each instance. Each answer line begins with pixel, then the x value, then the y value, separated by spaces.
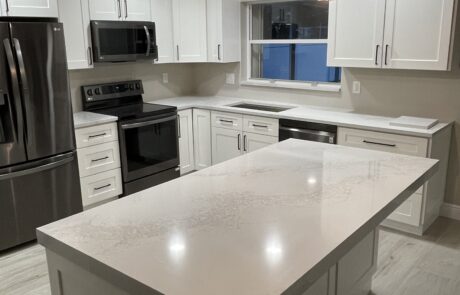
pixel 16 92
pixel 39 168
pixel 22 72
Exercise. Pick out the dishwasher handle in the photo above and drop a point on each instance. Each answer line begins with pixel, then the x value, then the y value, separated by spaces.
pixel 307 134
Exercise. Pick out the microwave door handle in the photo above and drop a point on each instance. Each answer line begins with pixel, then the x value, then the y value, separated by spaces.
pixel 147 123
pixel 16 93
pixel 149 40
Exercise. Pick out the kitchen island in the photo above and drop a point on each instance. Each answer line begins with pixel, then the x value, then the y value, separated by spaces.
pixel 296 217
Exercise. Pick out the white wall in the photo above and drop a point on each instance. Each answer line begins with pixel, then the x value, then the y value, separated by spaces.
pixel 180 79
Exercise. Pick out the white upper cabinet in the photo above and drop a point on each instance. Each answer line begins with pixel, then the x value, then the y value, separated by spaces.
pixel 161 11
pixel 75 17
pixel 189 18
pixel 136 10
pixel 418 34
pixel 30 8
pixel 397 34
pixel 355 33
pixel 105 9
pixel 223 30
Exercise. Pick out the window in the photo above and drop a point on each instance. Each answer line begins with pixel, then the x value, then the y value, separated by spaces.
pixel 288 44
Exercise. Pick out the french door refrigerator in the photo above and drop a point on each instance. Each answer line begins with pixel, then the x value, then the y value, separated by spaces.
pixel 39 181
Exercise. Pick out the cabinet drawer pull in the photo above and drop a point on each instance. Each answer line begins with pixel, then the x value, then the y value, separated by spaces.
pixel 239 142
pixel 226 121
pixel 244 143
pixel 97 135
pixel 260 126
pixel 377 55
pixel 100 159
pixel 386 54
pixel 379 143
pixel 101 187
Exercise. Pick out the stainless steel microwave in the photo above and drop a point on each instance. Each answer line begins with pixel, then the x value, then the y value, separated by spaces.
pixel 119 41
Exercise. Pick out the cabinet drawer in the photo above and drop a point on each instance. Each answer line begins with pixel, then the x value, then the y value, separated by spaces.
pixel 98 158
pixel 410 211
pixel 227 120
pixel 96 134
pixel 260 125
pixel 394 143
pixel 101 186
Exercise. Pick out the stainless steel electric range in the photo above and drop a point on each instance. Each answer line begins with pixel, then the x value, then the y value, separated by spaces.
pixel 148 133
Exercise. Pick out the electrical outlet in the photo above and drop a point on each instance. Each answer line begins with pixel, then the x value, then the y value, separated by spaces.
pixel 356 87
pixel 165 78
pixel 230 78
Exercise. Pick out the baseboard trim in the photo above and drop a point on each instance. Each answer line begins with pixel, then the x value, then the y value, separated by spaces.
pixel 450 211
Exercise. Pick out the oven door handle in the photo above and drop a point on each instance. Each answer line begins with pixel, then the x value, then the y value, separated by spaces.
pixel 147 123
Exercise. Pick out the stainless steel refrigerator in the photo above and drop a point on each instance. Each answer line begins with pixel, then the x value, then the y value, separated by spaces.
pixel 39 181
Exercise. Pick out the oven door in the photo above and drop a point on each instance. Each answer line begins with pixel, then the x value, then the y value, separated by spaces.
pixel 117 41
pixel 148 146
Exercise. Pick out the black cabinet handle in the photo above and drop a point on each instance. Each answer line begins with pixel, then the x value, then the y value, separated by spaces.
pixel 226 121
pixel 386 54
pixel 101 187
pixel 239 142
pixel 377 54
pixel 244 143
pixel 100 159
pixel 260 126
pixel 379 143
pixel 97 135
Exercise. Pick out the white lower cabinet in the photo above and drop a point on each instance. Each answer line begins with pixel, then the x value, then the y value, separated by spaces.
pixel 186 153
pixel 231 139
pixel 420 210
pixel 202 138
pixel 99 163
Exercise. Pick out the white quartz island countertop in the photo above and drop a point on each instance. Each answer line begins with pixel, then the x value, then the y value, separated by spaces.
pixel 263 223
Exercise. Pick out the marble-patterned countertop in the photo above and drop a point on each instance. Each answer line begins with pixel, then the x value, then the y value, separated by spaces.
pixel 339 117
pixel 86 119
pixel 255 224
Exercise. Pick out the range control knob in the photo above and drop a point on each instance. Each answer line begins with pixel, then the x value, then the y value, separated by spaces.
pixel 131 87
pixel 138 86
pixel 97 91
pixel 89 92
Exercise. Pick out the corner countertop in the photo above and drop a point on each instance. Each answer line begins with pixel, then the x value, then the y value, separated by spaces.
pixel 255 224
pixel 87 119
pixel 335 116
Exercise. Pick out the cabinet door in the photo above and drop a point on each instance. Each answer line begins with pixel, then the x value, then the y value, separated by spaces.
pixel 355 33
pixel 32 8
pixel 226 144
pixel 187 159
pixel 136 10
pixel 105 9
pixel 202 138
pixel 214 30
pixel 253 142
pixel 418 34
pixel 75 17
pixel 162 16
pixel 189 17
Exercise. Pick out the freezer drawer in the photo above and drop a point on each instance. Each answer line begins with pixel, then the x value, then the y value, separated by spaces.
pixel 35 194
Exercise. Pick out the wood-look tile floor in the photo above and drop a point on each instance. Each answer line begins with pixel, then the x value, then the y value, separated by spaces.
pixel 407 265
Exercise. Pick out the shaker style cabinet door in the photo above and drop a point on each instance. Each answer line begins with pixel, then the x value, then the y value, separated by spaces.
pixel 253 142
pixel 30 8
pixel 161 11
pixel 418 34
pixel 75 17
pixel 136 10
pixel 355 33
pixel 106 9
pixel 189 17
pixel 186 154
pixel 226 144
pixel 202 138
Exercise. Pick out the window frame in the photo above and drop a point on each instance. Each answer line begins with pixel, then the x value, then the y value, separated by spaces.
pixel 276 83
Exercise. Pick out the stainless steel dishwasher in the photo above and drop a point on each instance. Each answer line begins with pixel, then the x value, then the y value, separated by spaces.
pixel 307 131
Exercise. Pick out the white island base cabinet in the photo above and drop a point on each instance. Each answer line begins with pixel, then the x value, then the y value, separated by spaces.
pixel 350 274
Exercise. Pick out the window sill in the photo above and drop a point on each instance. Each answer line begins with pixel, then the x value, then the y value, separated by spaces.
pixel 328 87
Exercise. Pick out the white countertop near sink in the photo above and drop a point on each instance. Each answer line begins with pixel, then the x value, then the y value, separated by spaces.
pixel 339 117
pixel 255 224
pixel 87 119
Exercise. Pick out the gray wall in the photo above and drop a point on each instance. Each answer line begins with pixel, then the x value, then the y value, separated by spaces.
pixel 180 79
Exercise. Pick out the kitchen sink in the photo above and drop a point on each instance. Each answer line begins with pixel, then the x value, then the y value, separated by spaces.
pixel 260 107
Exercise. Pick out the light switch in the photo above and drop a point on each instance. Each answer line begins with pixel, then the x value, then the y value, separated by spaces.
pixel 165 78
pixel 356 87
pixel 230 78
